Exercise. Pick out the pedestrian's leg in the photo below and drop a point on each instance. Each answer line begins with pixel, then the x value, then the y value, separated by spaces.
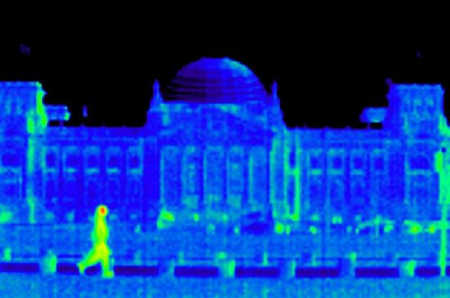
pixel 107 271
pixel 91 259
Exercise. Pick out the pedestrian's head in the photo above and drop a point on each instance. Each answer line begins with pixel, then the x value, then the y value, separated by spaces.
pixel 101 211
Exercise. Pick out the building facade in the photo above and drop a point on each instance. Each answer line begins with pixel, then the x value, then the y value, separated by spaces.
pixel 215 140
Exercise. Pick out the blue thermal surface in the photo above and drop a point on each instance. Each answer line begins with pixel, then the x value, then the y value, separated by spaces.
pixel 216 197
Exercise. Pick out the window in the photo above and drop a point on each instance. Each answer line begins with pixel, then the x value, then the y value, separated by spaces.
pixel 113 189
pixel 72 161
pixel 92 161
pixel 379 163
pixel 358 163
pixel 337 162
pixel 359 190
pixel 316 159
pixel 51 193
pixel 314 189
pixel 113 161
pixel 50 189
pixel 336 189
pixel 50 160
pixel 70 188
pixel 359 195
pixel 134 158
pixel 213 172
pixel 291 192
pixel 337 194
pixel 419 163
pixel 314 162
pixel 134 189
pixel 10 190
pixel 171 175
pixel 134 161
pixel 317 194
pixel 10 160
pixel 235 176
pixel 292 158
pixel 191 176
pixel 192 179
pixel 92 190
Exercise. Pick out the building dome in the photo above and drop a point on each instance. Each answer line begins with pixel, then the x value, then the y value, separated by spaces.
pixel 215 80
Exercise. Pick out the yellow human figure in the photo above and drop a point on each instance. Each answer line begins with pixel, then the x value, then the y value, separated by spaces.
pixel 100 252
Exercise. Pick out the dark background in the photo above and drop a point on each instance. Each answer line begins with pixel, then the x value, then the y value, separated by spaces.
pixel 323 79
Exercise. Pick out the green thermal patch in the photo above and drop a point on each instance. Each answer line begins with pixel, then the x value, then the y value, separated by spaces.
pixel 5 214
pixel 40 108
pixel 279 228
pixel 100 252
pixel 165 219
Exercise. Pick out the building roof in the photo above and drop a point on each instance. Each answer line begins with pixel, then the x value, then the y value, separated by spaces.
pixel 215 80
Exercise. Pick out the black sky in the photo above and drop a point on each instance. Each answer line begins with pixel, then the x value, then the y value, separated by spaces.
pixel 323 80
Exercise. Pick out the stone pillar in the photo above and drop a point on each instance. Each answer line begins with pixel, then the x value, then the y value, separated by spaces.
pixel 348 264
pixel 288 268
pixel 48 263
pixel 407 268
pixel 226 265
pixel 167 267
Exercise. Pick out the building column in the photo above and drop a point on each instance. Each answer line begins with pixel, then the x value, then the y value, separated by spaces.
pixel 277 189
pixel 291 150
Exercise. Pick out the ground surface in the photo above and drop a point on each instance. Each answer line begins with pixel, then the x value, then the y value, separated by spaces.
pixel 28 286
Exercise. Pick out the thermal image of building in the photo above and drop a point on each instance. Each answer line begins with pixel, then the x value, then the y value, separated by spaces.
pixel 215 140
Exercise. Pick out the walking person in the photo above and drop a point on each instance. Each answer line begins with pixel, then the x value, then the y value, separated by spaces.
pixel 100 252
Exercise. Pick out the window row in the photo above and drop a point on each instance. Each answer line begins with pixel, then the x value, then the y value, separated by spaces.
pixel 357 161
pixel 93 158
pixel 110 189
pixel 361 161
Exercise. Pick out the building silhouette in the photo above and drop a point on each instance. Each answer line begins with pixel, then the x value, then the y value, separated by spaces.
pixel 215 140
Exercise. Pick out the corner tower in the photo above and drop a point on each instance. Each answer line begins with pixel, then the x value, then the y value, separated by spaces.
pixel 415 110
